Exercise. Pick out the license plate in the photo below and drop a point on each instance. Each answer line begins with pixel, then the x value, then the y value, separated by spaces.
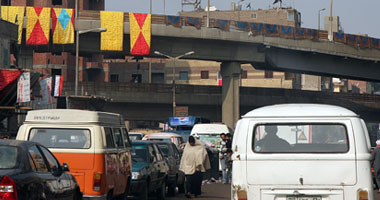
pixel 303 198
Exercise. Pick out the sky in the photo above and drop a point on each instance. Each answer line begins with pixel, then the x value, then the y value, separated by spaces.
pixel 356 16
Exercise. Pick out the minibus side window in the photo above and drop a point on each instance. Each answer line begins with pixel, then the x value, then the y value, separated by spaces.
pixel 110 143
pixel 127 140
pixel 118 137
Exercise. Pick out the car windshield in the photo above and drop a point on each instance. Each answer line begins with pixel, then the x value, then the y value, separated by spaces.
pixel 8 157
pixel 139 153
pixel 300 138
pixel 61 137
pixel 210 139
pixel 164 149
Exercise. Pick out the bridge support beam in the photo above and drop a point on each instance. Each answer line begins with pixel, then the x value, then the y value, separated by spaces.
pixel 230 72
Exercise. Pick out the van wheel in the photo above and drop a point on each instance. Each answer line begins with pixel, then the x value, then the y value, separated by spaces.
pixel 110 195
pixel 124 196
pixel 161 192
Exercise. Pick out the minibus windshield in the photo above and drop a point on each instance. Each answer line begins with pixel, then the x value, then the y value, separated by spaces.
pixel 61 137
pixel 300 138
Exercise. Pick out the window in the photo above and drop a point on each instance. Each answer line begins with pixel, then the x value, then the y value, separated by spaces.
pixel 268 74
pixel 152 153
pixel 289 76
pixel 127 140
pixel 254 16
pixel 114 78
pixel 183 75
pixel 136 78
pixel 300 138
pixel 38 159
pixel 158 77
pixel 5 2
pixel 61 137
pixel 244 74
pixel 291 15
pixel 8 157
pixel 204 74
pixel 53 163
pixel 57 2
pixel 158 153
pixel 109 138
pixel 118 137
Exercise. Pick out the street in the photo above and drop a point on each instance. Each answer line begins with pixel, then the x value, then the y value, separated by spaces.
pixel 213 191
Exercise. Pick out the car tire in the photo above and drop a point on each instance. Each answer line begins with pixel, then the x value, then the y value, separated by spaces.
pixel 161 191
pixel 171 189
pixel 145 192
pixel 181 188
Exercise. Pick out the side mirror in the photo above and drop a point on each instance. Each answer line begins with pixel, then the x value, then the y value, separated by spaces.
pixel 65 167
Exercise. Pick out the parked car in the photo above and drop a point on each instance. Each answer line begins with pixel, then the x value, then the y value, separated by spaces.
pixel 29 170
pixel 175 176
pixel 166 136
pixel 136 135
pixel 149 170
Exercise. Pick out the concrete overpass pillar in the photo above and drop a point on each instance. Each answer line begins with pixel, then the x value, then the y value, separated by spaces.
pixel 230 72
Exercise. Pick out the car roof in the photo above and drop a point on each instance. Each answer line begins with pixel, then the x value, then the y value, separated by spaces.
pixel 19 143
pixel 300 110
pixel 163 134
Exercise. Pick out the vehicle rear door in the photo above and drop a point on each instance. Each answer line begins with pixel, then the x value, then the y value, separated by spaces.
pixel 313 159
pixel 122 176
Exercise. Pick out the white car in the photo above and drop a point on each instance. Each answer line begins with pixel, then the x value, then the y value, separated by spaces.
pixel 166 136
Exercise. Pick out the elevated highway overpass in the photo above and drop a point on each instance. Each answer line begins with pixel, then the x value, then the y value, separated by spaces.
pixel 234 47
pixel 153 102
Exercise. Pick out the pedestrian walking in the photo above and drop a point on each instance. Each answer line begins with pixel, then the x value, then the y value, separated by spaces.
pixel 194 163
pixel 223 157
pixel 376 163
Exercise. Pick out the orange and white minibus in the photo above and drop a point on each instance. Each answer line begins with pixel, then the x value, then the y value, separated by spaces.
pixel 94 144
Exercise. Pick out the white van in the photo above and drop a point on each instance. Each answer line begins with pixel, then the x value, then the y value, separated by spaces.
pixel 95 145
pixel 209 133
pixel 301 152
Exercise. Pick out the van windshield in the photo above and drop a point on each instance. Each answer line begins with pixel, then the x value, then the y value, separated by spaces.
pixel 61 138
pixel 300 138
pixel 210 139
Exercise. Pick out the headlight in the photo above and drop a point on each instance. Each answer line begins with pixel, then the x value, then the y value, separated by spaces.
pixel 136 175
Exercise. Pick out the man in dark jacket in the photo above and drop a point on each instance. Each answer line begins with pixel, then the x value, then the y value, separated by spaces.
pixel 376 163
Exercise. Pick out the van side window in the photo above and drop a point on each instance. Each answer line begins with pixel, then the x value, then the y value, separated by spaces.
pixel 118 137
pixel 110 143
pixel 127 140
